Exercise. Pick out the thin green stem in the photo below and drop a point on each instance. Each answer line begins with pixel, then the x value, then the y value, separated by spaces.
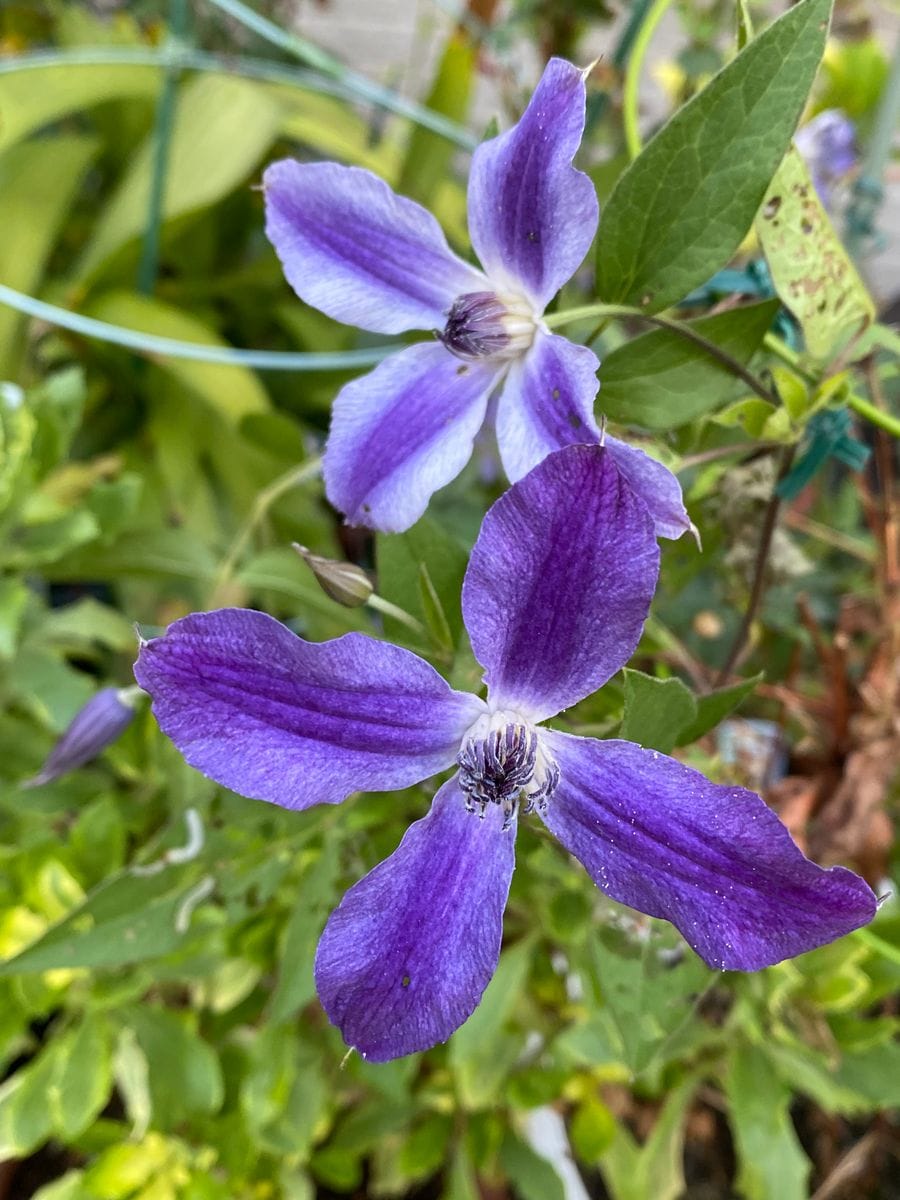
pixel 630 108
pixel 151 343
pixel 877 416
pixel 148 266
pixel 363 88
pixel 398 614
pixel 279 487
pixel 607 311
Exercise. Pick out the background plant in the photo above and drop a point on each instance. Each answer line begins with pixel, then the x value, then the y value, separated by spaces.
pixel 158 1027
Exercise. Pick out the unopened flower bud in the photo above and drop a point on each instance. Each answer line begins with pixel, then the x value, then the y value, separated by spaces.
pixel 343 582
pixel 97 725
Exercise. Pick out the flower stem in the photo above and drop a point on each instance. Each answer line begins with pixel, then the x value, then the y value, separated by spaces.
pixel 759 569
pixel 633 76
pixel 680 327
pixel 295 477
pixel 398 614
pixel 874 414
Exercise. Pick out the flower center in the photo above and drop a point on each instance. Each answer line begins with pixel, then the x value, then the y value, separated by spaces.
pixel 485 325
pixel 502 761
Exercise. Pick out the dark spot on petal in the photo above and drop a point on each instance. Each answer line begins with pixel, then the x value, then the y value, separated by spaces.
pixel 574 421
pixel 404 982
pixel 533 235
pixel 555 393
pixel 462 370
pixel 771 208
pixel 367 508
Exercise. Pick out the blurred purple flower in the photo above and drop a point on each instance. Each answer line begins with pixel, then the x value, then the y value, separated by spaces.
pixel 555 596
pixel 828 144
pixel 364 255
pixel 95 726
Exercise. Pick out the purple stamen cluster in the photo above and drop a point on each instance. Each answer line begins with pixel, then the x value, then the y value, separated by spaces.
pixel 497 769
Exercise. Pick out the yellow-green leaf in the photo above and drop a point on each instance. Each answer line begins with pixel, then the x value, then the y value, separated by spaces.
pixel 231 391
pixel 37 182
pixel 222 128
pixel 811 270
pixel 32 98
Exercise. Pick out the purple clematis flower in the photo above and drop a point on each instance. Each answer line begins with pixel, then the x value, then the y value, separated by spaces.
pixel 555 596
pixel 364 255
pixel 828 144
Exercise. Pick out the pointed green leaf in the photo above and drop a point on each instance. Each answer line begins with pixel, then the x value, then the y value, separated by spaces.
pixel 684 205
pixel 656 710
pixel 661 379
pixel 715 707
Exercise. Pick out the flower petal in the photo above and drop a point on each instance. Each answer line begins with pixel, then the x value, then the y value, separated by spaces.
pixel 713 860
pixel 655 484
pixel 547 402
pixel 362 254
pixel 559 582
pixel 407 954
pixel 532 216
pixel 276 718
pixel 403 431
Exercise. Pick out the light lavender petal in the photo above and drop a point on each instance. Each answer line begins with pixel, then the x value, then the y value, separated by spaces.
pixel 359 252
pixel 655 484
pixel 532 216
pixel 547 402
pixel 403 431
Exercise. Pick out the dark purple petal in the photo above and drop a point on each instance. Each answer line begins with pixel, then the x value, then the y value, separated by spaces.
pixel 403 431
pixel 407 954
pixel 532 216
pixel 298 723
pixel 559 582
pixel 362 254
pixel 713 860
pixel 547 402
pixel 656 486
pixel 95 726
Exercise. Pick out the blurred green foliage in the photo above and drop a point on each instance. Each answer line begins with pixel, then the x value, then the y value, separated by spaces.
pixel 160 1038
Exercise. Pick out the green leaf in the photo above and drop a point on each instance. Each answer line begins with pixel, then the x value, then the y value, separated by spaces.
pixel 482 1052
pixel 82 1078
pixel 428 155
pixel 223 126
pixel 812 272
pixel 38 181
pixel 532 1176
pixel 715 707
pixel 661 380
pixel 25 1119
pixel 637 1172
pixel 13 599
pixel 229 391
pixel 771 1160
pixel 593 1130
pixel 128 919
pixel 400 558
pixel 315 896
pixel 684 205
pixel 185 1076
pixel 650 998
pixel 132 1073
pixel 435 618
pixel 656 710
pixel 30 99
